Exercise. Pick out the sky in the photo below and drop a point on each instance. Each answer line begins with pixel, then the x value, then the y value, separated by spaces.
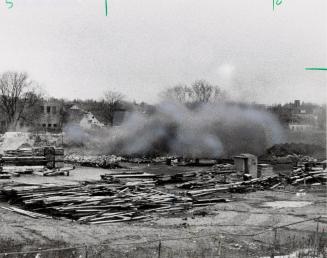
pixel 142 47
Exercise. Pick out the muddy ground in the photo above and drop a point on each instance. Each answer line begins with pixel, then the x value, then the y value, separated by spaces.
pixel 240 228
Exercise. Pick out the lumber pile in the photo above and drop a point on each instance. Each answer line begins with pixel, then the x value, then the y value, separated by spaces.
pixel 118 197
pixel 4 174
pixel 308 174
pixel 65 171
pixel 223 168
pixel 204 178
pixel 238 187
pixel 130 178
pixel 22 169
pixel 48 156
pixel 9 171
pixel 30 214
pixel 96 202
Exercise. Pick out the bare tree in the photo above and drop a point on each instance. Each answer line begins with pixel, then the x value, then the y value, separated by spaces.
pixel 17 95
pixel 180 93
pixel 204 92
pixel 199 92
pixel 111 102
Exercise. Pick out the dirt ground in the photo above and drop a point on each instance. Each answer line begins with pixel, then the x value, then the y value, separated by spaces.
pixel 240 228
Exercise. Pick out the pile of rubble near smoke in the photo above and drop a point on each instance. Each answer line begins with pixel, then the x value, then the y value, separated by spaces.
pixel 293 153
pixel 101 161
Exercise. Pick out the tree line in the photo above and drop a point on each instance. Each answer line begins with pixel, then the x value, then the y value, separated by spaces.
pixel 21 98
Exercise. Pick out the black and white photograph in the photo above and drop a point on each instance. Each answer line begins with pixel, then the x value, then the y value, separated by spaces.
pixel 163 128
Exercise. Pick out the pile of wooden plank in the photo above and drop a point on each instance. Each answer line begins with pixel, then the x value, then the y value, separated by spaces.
pixel 308 175
pixel 22 169
pixel 96 202
pixel 204 178
pixel 64 171
pixel 130 178
pixel 48 156
pixel 4 174
pixel 238 187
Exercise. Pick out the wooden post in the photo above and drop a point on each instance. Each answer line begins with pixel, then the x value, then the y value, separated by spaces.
pixel 274 243
pixel 219 247
pixel 86 254
pixel 316 251
pixel 159 249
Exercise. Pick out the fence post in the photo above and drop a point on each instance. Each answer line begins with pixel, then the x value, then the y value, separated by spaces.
pixel 86 254
pixel 274 243
pixel 219 246
pixel 317 239
pixel 159 249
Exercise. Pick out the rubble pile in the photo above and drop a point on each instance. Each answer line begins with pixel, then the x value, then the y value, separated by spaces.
pixel 280 150
pixel 293 152
pixel 102 161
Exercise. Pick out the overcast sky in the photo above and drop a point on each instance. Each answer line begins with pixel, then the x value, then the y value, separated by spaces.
pixel 143 46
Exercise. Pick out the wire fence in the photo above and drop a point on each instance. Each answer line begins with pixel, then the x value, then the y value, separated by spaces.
pixel 273 241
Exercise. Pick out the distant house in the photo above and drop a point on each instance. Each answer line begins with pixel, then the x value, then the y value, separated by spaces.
pixel 303 117
pixel 84 119
pixel 45 117
pixel 298 116
pixel 51 116
pixel 298 127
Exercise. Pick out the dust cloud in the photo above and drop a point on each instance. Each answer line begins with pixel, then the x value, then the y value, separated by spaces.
pixel 208 131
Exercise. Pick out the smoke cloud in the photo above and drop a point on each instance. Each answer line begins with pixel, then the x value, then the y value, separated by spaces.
pixel 211 131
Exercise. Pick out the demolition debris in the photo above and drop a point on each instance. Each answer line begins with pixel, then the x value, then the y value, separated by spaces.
pixel 131 194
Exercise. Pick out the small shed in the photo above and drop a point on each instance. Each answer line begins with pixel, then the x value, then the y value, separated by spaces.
pixel 246 164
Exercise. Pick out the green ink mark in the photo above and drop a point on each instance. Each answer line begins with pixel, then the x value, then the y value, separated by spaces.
pixel 316 69
pixel 10 4
pixel 276 2
pixel 106 6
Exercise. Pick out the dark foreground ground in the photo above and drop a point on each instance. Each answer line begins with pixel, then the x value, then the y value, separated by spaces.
pixel 240 228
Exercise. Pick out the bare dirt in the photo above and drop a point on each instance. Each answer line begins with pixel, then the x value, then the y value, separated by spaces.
pixel 240 228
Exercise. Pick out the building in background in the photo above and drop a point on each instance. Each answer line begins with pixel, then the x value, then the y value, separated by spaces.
pixel 300 117
pixel 80 117
pixel 51 116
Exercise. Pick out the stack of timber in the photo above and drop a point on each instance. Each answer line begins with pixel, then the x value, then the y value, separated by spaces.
pixel 179 177
pixel 197 179
pixel 97 202
pixel 37 156
pixel 4 174
pixel 238 187
pixel 22 169
pixel 64 171
pixel 223 168
pixel 308 174
pixel 59 157
pixel 131 178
